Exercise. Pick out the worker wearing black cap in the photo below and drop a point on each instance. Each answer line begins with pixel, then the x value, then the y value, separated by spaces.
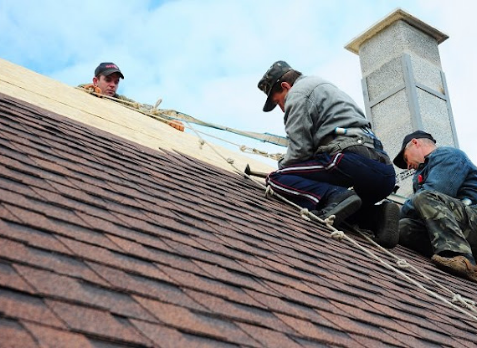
pixel 331 148
pixel 440 219
pixel 106 77
pixel 106 82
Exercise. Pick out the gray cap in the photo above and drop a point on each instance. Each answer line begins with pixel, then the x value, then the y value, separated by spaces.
pixel 276 71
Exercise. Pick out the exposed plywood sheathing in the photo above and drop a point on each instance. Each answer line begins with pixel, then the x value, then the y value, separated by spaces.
pixel 112 117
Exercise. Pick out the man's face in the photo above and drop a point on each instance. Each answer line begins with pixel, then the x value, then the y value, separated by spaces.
pixel 279 97
pixel 108 84
pixel 413 155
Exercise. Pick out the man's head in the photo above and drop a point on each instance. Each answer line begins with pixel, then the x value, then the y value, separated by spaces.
pixel 276 82
pixel 106 77
pixel 415 147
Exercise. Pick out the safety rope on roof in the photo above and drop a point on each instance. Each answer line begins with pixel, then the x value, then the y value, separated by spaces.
pixel 165 116
pixel 340 235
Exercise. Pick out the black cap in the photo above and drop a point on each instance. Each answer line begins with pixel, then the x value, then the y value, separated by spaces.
pixel 399 159
pixel 276 71
pixel 107 69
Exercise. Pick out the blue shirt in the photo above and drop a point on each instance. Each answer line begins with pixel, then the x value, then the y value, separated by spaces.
pixel 447 170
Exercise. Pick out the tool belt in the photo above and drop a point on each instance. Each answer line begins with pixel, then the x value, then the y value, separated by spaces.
pixel 374 154
pixel 362 145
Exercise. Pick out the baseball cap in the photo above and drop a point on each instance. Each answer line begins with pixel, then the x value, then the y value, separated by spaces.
pixel 399 159
pixel 273 74
pixel 107 69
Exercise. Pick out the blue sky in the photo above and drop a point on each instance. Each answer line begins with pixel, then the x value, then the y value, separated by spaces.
pixel 205 57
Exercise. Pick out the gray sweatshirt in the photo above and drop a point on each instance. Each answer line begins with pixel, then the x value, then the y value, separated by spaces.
pixel 314 108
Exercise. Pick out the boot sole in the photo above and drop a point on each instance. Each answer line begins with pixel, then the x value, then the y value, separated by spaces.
pixel 458 265
pixel 387 234
pixel 345 209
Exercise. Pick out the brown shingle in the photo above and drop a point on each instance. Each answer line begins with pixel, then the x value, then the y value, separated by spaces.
pixel 268 338
pixel 9 278
pixel 196 322
pixel 171 338
pixel 323 332
pixel 106 243
pixel 22 306
pixel 52 337
pixel 14 335
pixel 97 322
pixel 62 264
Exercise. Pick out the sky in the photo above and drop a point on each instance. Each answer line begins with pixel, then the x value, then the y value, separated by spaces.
pixel 205 58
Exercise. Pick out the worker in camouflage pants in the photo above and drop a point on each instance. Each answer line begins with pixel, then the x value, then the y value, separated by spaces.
pixel 440 219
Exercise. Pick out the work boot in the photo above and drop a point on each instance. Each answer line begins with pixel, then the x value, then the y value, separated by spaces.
pixel 458 265
pixel 386 228
pixel 342 205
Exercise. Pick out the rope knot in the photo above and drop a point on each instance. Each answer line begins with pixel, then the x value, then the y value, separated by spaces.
pixel 243 148
pixel 402 263
pixel 201 143
pixel 230 160
pixel 462 300
pixel 305 214
pixel 338 235
pixel 269 192
pixel 330 220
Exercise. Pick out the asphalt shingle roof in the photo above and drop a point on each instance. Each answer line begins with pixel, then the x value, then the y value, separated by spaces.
pixel 106 243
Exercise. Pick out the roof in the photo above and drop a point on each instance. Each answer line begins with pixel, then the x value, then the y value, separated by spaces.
pixel 108 243
pixel 113 117
pixel 117 230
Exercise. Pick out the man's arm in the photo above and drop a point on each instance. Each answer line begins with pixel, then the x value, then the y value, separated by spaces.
pixel 298 126
pixel 447 170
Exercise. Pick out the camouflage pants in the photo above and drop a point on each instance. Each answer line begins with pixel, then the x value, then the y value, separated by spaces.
pixel 445 223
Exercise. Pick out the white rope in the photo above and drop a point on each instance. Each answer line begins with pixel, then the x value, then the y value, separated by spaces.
pixel 340 235
pixel 268 191
pixel 158 115
pixel 335 234
pixel 404 264
pixel 330 220
pixel 228 160
pixel 305 214
pixel 465 301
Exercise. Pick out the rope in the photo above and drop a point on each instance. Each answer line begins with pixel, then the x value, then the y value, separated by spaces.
pixel 462 300
pixel 172 114
pixel 202 141
pixel 340 235
pixel 153 112
pixel 469 304
pixel 335 234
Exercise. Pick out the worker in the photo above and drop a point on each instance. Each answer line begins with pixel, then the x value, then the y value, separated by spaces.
pixel 331 149
pixel 106 82
pixel 439 220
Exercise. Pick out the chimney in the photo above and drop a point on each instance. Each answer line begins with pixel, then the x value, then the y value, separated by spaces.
pixel 404 87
